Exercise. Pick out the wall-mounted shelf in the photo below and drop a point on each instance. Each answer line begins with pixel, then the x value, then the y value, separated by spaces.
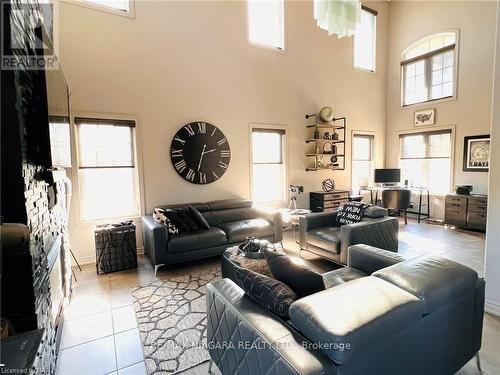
pixel 318 141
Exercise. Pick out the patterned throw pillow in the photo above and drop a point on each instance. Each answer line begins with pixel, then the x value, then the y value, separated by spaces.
pixel 266 291
pixel 160 217
pixel 350 213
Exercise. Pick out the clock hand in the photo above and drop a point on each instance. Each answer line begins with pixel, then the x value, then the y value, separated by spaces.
pixel 206 152
pixel 201 157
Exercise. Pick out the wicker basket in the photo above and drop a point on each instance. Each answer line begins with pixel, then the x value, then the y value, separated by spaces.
pixel 115 247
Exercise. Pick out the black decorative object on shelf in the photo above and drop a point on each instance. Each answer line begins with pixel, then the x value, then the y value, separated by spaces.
pixel 328 185
pixel 200 153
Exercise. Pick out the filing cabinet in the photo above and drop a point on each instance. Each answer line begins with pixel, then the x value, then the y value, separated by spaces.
pixel 466 211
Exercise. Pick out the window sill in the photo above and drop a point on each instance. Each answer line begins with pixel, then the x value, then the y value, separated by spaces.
pixel 429 102
pixel 279 51
pixel 109 220
pixel 102 8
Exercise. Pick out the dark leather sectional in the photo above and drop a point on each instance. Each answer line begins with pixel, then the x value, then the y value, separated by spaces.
pixel 379 315
pixel 230 220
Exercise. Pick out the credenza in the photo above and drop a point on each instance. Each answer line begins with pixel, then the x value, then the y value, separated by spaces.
pixel 466 211
pixel 320 201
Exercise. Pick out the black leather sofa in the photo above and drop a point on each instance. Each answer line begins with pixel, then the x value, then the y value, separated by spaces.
pixel 320 236
pixel 383 315
pixel 230 220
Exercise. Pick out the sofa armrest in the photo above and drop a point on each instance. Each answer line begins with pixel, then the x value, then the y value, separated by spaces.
pixel 242 334
pixel 155 239
pixel 275 218
pixel 369 259
pixel 381 233
pixel 313 221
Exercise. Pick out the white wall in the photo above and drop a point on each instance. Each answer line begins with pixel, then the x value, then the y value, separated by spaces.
pixel 492 261
pixel 471 111
pixel 178 62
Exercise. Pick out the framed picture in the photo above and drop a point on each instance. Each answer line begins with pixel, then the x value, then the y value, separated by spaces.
pixel 424 118
pixel 477 153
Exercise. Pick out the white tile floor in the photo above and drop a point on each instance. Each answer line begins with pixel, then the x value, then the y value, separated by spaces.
pixel 100 333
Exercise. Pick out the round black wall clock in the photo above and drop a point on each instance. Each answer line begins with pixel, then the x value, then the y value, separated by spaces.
pixel 200 153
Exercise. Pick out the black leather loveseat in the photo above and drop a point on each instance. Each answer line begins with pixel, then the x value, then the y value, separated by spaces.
pixel 230 220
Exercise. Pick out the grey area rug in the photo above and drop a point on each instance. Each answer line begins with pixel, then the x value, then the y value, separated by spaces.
pixel 173 322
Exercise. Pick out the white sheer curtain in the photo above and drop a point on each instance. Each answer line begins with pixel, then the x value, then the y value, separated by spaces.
pixel 337 16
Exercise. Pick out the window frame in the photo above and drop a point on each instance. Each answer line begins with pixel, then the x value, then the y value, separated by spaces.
pixel 372 136
pixel 452 130
pixel 266 47
pixel 284 155
pixel 428 68
pixel 137 166
pixel 375 13
pixel 106 9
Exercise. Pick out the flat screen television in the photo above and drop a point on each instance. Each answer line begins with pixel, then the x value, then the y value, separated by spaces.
pixel 387 176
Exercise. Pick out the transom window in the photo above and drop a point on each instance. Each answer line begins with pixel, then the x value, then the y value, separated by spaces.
pixel 365 40
pixel 265 23
pixel 428 69
pixel 121 7
pixel 268 165
pixel 425 160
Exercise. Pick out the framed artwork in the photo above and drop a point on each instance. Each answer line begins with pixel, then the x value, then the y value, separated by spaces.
pixel 477 153
pixel 424 118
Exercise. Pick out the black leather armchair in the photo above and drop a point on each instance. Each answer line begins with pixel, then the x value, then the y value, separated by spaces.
pixel 319 235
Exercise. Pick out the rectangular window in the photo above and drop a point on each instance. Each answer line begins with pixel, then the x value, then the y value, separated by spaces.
pixel 107 168
pixel 362 161
pixel 265 23
pixel 268 165
pixel 119 5
pixel 425 160
pixel 365 40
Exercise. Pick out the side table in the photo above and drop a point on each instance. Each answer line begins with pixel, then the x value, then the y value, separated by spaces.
pixel 291 220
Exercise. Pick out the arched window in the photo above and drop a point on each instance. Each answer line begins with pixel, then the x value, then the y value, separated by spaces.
pixel 428 69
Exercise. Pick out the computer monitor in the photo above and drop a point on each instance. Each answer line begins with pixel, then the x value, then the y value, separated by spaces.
pixel 387 176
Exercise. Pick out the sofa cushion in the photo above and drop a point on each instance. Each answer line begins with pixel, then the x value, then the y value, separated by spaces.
pixel 266 291
pixel 375 212
pixel 196 240
pixel 340 276
pixel 327 238
pixel 226 204
pixel 300 278
pixel 175 218
pixel 359 314
pixel 433 279
pixel 186 217
pixel 200 220
pixel 237 231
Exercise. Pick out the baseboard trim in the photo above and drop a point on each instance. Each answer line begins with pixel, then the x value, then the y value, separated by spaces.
pixel 492 308
pixel 91 258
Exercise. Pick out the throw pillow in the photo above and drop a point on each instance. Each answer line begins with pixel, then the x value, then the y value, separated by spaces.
pixel 174 217
pixel 350 213
pixel 184 215
pixel 301 279
pixel 160 217
pixel 266 291
pixel 198 218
